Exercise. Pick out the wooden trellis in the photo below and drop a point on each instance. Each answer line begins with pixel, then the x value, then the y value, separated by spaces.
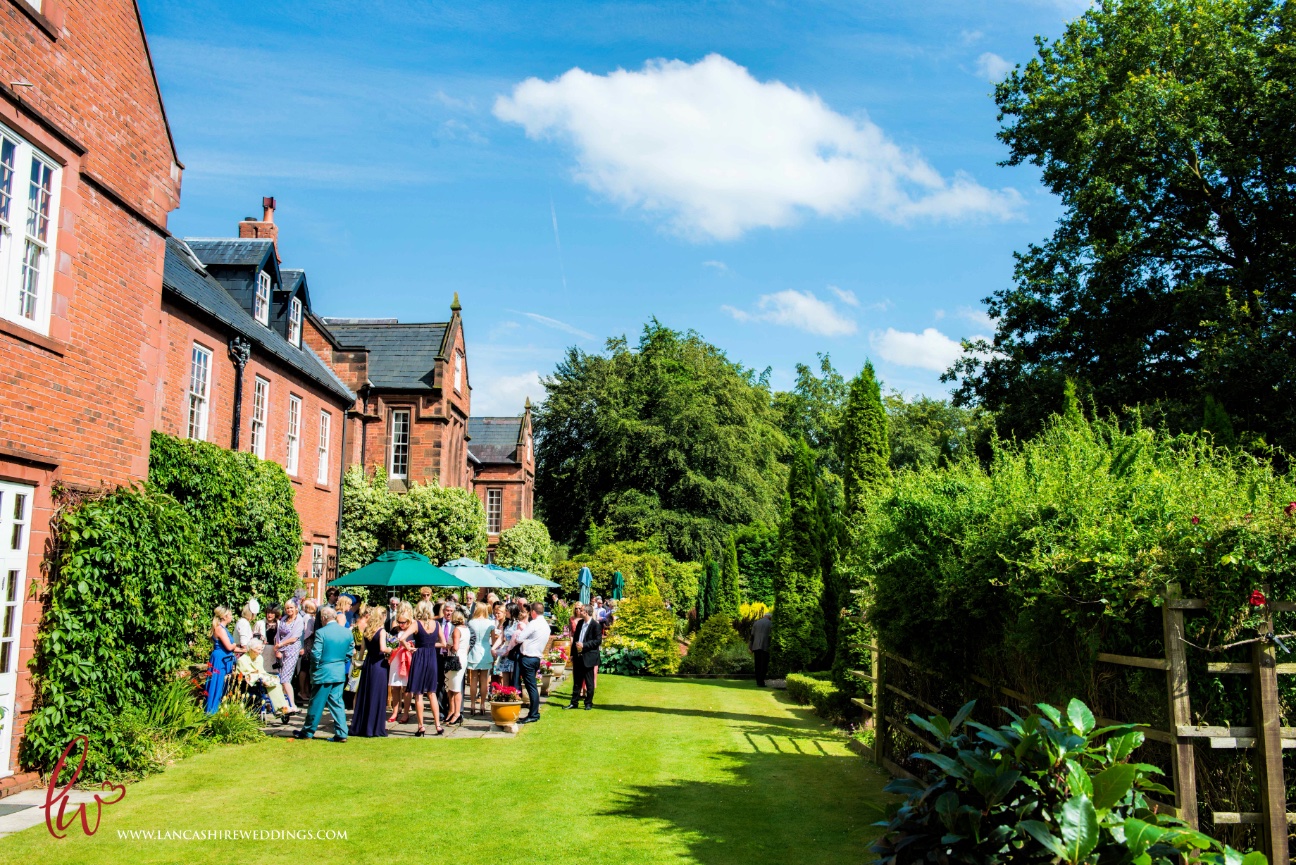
pixel 1267 740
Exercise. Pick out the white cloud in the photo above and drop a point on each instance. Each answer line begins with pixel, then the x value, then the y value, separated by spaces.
pixel 717 153
pixel 505 395
pixel 930 349
pixel 719 266
pixel 798 309
pixel 992 67
pixel 557 325
pixel 845 295
pixel 977 317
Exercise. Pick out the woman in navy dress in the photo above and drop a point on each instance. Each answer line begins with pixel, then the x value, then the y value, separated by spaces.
pixel 222 658
pixel 370 716
pixel 423 667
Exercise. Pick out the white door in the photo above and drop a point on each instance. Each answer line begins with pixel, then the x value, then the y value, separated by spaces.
pixel 15 519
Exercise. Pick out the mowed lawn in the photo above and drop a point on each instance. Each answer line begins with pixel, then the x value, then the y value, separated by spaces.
pixel 666 770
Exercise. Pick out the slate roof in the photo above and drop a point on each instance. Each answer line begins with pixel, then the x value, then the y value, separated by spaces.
pixel 401 356
pixel 494 439
pixel 248 252
pixel 183 275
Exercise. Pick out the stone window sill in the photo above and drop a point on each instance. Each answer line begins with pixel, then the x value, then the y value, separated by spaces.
pixel 17 331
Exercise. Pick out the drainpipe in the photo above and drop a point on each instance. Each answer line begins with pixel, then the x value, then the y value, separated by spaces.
pixel 342 465
pixel 364 424
pixel 240 350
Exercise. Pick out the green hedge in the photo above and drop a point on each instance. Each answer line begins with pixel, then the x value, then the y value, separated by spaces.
pixel 526 545
pixel 717 648
pixel 123 599
pixel 815 689
pixel 247 530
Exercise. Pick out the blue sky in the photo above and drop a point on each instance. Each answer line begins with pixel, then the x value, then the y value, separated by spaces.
pixel 785 178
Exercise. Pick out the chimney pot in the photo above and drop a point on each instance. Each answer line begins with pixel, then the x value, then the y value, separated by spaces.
pixel 268 204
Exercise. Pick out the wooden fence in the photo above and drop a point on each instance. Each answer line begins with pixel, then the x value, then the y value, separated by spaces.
pixel 1267 740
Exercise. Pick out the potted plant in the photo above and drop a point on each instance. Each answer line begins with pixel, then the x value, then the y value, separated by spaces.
pixel 506 704
pixel 546 677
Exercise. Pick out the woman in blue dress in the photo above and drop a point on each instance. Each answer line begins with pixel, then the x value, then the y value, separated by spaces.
pixel 423 667
pixel 370 716
pixel 222 658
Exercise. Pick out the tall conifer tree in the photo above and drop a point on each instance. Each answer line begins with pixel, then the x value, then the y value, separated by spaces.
pixel 728 603
pixel 862 441
pixel 797 638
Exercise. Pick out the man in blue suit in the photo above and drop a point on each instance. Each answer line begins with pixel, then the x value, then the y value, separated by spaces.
pixel 333 646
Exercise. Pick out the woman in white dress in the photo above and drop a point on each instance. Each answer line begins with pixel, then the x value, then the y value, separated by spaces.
pixel 454 679
pixel 403 633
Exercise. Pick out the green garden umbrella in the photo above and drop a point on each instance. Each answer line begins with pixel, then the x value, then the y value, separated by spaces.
pixel 517 577
pixel 618 586
pixel 400 568
pixel 475 574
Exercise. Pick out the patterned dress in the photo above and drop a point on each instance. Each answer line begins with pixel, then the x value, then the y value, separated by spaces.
pixel 288 630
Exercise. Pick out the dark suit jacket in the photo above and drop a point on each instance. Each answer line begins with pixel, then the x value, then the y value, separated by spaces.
pixel 590 642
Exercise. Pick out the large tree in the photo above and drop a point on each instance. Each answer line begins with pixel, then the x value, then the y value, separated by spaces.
pixel 797 639
pixel 668 438
pixel 812 410
pixel 1165 127
pixel 862 444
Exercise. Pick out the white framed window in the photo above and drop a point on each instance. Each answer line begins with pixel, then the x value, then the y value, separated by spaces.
pixel 494 510
pixel 458 380
pixel 29 202
pixel 199 391
pixel 295 321
pixel 261 303
pixel 294 433
pixel 260 409
pixel 317 561
pixel 400 443
pixel 35 4
pixel 322 467
pixel 530 453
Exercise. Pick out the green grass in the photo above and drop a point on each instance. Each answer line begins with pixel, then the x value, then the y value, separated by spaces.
pixel 667 770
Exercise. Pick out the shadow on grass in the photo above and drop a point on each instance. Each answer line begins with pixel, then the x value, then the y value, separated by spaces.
pixel 774 807
pixel 793 724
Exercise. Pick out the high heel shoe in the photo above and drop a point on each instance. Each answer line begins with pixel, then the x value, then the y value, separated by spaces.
pixel 440 731
pixel 419 732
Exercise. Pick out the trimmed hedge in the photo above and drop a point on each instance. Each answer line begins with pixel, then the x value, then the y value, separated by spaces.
pixel 815 689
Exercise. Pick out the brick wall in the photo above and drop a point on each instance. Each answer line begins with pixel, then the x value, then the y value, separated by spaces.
pixel 77 404
pixel 317 504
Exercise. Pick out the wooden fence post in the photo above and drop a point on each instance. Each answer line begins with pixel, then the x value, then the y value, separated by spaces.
pixel 880 733
pixel 1185 770
pixel 1268 723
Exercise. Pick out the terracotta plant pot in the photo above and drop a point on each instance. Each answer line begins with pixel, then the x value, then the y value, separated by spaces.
pixel 505 713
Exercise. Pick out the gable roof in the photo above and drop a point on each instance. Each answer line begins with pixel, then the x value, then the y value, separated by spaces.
pixel 233 251
pixel 401 356
pixel 495 439
pixel 184 276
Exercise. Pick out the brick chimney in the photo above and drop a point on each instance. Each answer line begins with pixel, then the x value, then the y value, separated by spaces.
pixel 265 227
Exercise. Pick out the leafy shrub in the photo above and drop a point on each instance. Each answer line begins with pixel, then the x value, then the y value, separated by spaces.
pixel 442 523
pixel 623 657
pixel 733 658
pixel 646 569
pixel 561 618
pixel 234 722
pixel 241 508
pixel 526 546
pixel 747 616
pixel 1047 787
pixel 123 591
pixel 716 635
pixel 646 623
pixel 814 689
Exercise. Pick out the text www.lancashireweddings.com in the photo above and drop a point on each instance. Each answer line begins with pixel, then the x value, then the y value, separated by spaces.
pixel 231 835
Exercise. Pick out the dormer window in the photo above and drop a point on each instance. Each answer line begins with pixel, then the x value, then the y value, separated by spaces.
pixel 458 380
pixel 261 304
pixel 295 321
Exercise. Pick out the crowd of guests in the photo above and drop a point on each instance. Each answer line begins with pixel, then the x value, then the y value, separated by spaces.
pixel 387 663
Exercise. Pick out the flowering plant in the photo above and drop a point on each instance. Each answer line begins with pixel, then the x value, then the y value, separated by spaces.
pixel 504 694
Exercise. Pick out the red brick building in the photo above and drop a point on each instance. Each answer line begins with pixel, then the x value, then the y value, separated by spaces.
pixel 88 175
pixel 238 371
pixel 503 460
pixel 410 417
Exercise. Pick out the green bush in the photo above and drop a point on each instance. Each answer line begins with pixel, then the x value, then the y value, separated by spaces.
pixel 733 658
pixel 646 624
pixel 645 568
pixel 526 546
pixel 123 595
pixel 368 509
pixel 624 658
pixel 1044 788
pixel 715 636
pixel 815 689
pixel 241 508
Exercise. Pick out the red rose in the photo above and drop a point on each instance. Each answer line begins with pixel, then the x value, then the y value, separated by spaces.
pixel 1258 599
pixel 1290 510
pixel 1196 520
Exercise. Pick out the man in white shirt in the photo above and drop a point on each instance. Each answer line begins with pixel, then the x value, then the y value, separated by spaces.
pixel 532 639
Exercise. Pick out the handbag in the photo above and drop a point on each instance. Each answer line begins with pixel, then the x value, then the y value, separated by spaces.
pixel 452 664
